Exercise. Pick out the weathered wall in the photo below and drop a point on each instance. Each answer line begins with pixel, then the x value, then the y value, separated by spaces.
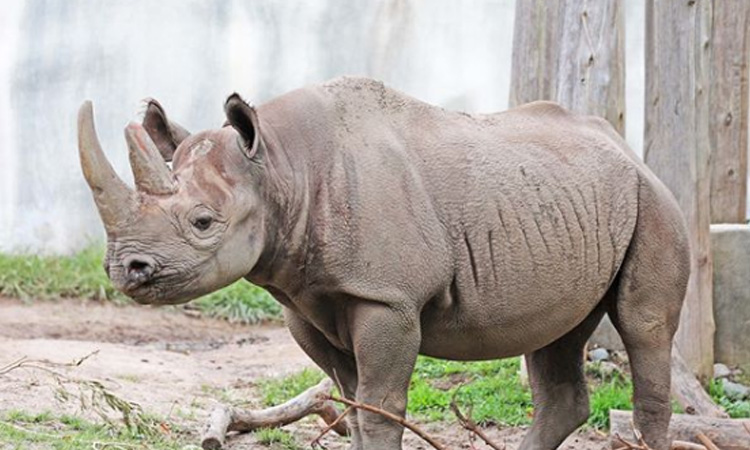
pixel 190 54
pixel 730 245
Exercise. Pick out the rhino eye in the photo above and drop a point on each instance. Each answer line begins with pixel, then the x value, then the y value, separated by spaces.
pixel 202 223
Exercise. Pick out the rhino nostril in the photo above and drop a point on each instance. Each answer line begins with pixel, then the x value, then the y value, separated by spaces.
pixel 139 269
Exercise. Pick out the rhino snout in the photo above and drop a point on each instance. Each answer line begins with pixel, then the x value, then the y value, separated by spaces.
pixel 139 269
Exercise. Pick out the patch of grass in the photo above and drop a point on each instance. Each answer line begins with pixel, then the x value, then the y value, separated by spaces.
pixel 241 302
pixel 737 409
pixel 276 438
pixel 613 394
pixel 275 391
pixel 21 430
pixel 47 277
pixel 490 390
pixel 81 275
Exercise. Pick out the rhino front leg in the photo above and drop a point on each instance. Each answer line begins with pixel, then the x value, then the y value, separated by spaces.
pixel 386 343
pixel 338 365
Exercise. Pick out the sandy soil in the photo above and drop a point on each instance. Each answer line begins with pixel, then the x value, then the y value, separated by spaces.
pixel 172 364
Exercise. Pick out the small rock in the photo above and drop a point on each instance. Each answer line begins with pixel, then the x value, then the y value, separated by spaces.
pixel 735 391
pixel 721 371
pixel 599 354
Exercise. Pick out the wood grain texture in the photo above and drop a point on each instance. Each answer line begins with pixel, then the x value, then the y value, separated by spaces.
pixel 729 110
pixel 571 52
pixel 727 434
pixel 677 148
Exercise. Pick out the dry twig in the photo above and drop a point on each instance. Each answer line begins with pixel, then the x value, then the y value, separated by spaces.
pixel 468 424
pixel 390 416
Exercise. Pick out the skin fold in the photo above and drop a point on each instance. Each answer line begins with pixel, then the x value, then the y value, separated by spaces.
pixel 389 228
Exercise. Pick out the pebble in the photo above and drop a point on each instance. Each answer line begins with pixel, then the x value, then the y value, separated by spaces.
pixel 735 391
pixel 722 371
pixel 599 354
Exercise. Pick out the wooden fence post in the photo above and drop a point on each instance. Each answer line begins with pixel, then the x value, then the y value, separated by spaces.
pixel 728 121
pixel 572 52
pixel 677 148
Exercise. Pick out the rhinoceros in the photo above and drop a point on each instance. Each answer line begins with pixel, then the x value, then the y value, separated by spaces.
pixel 389 228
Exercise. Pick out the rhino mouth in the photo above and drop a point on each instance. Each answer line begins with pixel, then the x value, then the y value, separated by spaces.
pixel 161 289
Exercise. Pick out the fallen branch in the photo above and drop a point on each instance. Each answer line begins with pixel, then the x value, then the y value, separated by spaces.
pixel 688 391
pixel 313 401
pixel 726 434
pixel 468 424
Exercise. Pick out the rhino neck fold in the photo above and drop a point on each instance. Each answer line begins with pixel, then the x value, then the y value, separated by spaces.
pixel 286 188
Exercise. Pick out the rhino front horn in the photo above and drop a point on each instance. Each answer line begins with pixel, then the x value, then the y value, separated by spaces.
pixel 150 171
pixel 114 199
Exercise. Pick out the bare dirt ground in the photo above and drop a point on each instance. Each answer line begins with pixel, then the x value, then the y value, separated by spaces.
pixel 174 365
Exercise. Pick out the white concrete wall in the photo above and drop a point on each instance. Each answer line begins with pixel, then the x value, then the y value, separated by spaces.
pixel 190 54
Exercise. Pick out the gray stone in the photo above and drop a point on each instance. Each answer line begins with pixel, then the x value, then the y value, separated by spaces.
pixel 599 354
pixel 735 391
pixel 606 336
pixel 730 246
pixel 721 371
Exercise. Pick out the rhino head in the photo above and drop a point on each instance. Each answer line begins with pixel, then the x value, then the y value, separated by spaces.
pixel 185 231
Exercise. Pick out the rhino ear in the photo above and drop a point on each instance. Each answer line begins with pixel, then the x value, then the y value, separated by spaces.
pixel 166 134
pixel 244 119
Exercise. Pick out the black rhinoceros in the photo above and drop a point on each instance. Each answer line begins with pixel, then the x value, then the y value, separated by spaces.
pixel 388 228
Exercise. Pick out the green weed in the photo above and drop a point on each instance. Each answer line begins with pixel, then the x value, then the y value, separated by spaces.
pixel 737 409
pixel 21 430
pixel 276 439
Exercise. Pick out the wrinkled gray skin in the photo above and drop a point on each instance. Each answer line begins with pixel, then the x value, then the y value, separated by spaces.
pixel 390 228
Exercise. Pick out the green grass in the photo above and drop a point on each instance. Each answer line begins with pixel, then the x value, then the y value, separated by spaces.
pixel 490 390
pixel 21 430
pixel 737 409
pixel 278 390
pixel 34 277
pixel 276 438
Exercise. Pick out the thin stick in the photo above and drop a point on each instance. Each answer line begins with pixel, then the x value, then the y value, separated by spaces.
pixel 470 425
pixel 330 427
pixel 390 416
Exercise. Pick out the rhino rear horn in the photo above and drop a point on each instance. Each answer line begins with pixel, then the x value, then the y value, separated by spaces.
pixel 244 119
pixel 167 135
pixel 114 199
pixel 150 171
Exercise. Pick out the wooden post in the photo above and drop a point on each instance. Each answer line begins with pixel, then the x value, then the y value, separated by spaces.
pixel 572 52
pixel 728 110
pixel 677 148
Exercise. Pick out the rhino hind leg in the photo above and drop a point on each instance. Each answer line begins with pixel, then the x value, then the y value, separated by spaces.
pixel 650 289
pixel 558 386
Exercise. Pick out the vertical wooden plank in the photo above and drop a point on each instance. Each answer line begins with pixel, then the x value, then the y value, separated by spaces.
pixel 677 148
pixel 571 52
pixel 535 50
pixel 591 62
pixel 728 110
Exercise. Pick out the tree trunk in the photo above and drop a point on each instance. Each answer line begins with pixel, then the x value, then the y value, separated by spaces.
pixel 572 52
pixel 728 110
pixel 677 148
